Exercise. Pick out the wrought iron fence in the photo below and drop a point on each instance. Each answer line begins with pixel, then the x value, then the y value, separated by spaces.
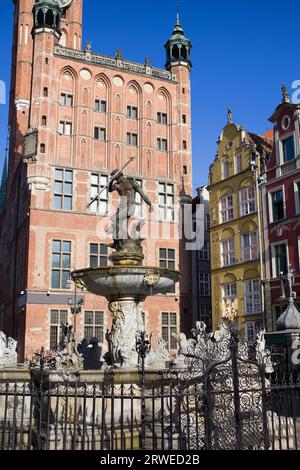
pixel 225 399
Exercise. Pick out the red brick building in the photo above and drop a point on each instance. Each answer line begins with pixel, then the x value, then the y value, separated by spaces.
pixel 281 207
pixel 74 117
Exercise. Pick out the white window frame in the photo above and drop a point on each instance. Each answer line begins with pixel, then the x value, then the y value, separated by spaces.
pixel 65 128
pixel 101 133
pixel 271 214
pixel 204 253
pixel 273 254
pixel 297 195
pixel 249 296
pixel 251 249
pixel 99 103
pixel 167 207
pixel 251 324
pixel 228 252
pixel 227 209
pixel 231 296
pixel 245 205
pixel 286 137
pixel 102 202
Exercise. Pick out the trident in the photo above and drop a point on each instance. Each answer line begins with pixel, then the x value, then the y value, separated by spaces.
pixel 116 176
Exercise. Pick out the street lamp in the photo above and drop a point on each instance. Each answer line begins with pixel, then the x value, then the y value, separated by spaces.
pixel 259 180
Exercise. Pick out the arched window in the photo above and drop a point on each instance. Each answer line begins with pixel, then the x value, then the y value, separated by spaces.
pixel 176 52
pixel 49 18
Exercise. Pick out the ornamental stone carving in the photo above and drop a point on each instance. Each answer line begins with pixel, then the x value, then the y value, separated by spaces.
pixel 8 351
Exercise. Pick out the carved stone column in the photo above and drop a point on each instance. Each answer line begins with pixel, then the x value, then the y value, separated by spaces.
pixel 127 321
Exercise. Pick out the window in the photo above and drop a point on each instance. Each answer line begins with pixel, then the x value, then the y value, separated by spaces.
pixel 94 325
pixel 184 144
pixel 100 134
pixel 166 201
pixel 204 253
pixel 138 202
pixel 277 205
pixel 207 222
pixel 45 92
pixel 238 164
pixel 162 118
pixel 98 182
pixel 280 260
pixel 251 331
pixel 184 119
pixel 185 170
pixel 66 99
pixel 253 296
pixel 205 315
pixel 249 246
pixel 162 145
pixel 204 284
pixel 225 169
pixel 297 196
pixel 229 292
pixel 61 264
pixel 100 106
pixel 43 148
pixel 132 112
pixel 65 128
pixel 57 318
pixel 44 120
pixel 98 255
pixel 169 326
pixel 167 261
pixel 63 189
pixel 247 201
pixel 288 147
pixel 226 204
pixel 132 139
pixel 228 252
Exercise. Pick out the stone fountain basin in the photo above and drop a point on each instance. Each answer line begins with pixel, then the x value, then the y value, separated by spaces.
pixel 130 281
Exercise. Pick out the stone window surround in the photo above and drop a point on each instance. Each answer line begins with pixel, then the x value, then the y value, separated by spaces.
pixel 272 191
pixel 251 296
pixel 273 256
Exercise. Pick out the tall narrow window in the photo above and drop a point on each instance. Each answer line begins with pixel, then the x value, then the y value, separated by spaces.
pixel 98 255
pixel 253 296
pixel 94 325
pixel 168 327
pixel 204 252
pixel 61 264
pixel 204 284
pixel 57 318
pixel 228 252
pixel 225 169
pixel 98 182
pixel 45 92
pixel 100 106
pixel 288 147
pixel 167 261
pixel 44 120
pixel 247 201
pixel 100 134
pixel 162 118
pixel 251 331
pixel 63 189
pixel 226 208
pixel 184 120
pixel 238 164
pixel 277 205
pixel 280 259
pixel 166 201
pixel 249 246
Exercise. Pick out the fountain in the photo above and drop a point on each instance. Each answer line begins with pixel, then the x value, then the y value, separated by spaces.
pixel 127 283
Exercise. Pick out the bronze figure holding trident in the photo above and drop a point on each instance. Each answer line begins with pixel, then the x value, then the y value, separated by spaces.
pixel 127 189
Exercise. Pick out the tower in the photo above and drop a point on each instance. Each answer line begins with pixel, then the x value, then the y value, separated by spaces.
pixel 178 62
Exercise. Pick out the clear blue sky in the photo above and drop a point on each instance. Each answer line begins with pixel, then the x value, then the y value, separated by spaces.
pixel 242 52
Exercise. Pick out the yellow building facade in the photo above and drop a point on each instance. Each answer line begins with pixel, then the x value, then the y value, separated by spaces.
pixel 235 234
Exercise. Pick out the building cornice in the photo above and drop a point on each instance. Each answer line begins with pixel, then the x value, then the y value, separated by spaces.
pixel 114 63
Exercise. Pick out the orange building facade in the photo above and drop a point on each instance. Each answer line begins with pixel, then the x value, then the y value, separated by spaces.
pixel 74 117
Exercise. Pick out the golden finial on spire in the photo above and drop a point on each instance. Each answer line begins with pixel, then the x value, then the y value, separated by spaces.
pixel 229 115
